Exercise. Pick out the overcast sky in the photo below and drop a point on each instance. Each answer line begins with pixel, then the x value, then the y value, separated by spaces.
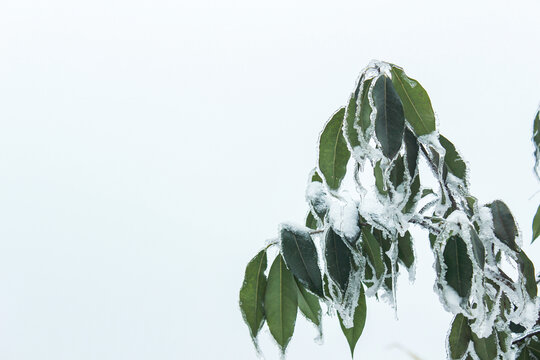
pixel 149 148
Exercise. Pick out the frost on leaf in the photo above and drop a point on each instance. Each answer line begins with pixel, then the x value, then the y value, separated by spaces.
pixel 365 195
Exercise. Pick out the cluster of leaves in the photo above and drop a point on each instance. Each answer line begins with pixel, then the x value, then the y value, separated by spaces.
pixel 354 242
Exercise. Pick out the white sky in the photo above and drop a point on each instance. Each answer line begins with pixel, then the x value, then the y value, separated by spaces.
pixel 148 149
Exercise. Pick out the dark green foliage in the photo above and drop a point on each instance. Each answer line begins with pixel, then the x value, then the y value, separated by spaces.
pixel 385 123
pixel 333 152
pixel 504 225
pixel 281 303
pixel 300 255
pixel 459 266
pixel 338 259
pixel 459 337
pixel 360 313
pixel 416 102
pixel 406 250
pixel 252 293
pixel 309 305
pixel 390 121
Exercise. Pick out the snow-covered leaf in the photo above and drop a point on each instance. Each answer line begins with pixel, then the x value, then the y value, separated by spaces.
pixel 333 152
pixel 452 160
pixel 311 222
pixel 478 248
pixel 379 178
pixel 485 348
pixel 353 334
pixel 504 225
pixel 459 337
pixel 527 269
pixel 536 225
pixel 416 104
pixel 309 305
pixel 351 132
pixel 459 268
pixel 301 257
pixel 338 259
pixel 281 303
pixel 390 121
pixel 406 250
pixel 372 249
pixel 411 147
pixel 252 293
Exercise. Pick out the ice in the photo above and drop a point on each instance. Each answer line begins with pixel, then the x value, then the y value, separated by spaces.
pixel 317 197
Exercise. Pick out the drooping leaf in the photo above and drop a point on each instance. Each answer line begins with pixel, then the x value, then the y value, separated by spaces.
pixel 252 293
pixel 364 116
pixel 503 340
pixel 406 250
pixel 504 225
pixel 359 320
pixel 459 266
pixel 411 147
pixel 309 305
pixel 338 259
pixel 390 121
pixel 379 178
pixel 527 269
pixel 415 188
pixel 397 174
pixel 372 249
pixel 460 337
pixel 536 225
pixel 333 152
pixel 523 354
pixel 452 160
pixel 281 302
pixel 311 222
pixel 534 348
pixel 478 248
pixel 351 133
pixel 486 348
pixel 301 257
pixel 416 102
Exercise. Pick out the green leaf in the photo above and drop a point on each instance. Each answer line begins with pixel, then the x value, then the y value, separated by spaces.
pixel 379 178
pixel 416 103
pixel 252 293
pixel 460 336
pixel 301 257
pixel 390 121
pixel 364 115
pixel 309 305
pixel 311 222
pixel 406 250
pixel 486 348
pixel 504 225
pixel 523 355
pixel 453 161
pixel 478 248
pixel 281 302
pixel 315 177
pixel 415 188
pixel 333 152
pixel 397 174
pixel 338 259
pixel 372 248
pixel 359 320
pixel 526 267
pixel 411 147
pixel 351 133
pixel 534 348
pixel 536 225
pixel 459 266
